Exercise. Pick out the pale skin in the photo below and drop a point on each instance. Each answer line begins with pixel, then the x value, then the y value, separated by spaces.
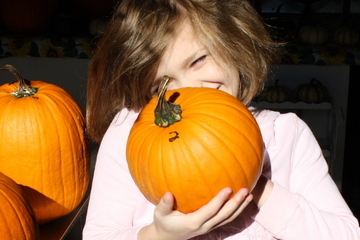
pixel 189 64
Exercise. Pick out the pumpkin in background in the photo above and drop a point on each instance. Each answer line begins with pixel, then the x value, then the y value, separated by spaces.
pixel 347 37
pixel 312 92
pixel 43 145
pixel 313 35
pixel 17 220
pixel 276 93
pixel 201 141
pixel 28 16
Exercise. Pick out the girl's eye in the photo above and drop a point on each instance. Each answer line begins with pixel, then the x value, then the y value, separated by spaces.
pixel 215 85
pixel 202 58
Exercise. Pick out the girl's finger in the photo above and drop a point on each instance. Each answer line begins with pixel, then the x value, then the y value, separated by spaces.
pixel 165 205
pixel 237 212
pixel 212 208
pixel 230 209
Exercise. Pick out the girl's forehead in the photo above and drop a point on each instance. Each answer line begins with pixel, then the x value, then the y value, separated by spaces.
pixel 186 43
pixel 183 43
pixel 183 29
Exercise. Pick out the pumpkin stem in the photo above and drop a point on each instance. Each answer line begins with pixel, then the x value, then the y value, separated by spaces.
pixel 23 90
pixel 166 112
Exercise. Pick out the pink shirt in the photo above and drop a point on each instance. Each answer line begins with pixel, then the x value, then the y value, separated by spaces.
pixel 304 204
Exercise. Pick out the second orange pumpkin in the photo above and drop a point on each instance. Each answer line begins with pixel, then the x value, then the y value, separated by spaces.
pixel 17 219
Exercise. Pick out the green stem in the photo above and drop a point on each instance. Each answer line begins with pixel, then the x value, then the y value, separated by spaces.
pixel 166 113
pixel 23 90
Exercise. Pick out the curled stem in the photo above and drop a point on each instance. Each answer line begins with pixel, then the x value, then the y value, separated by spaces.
pixel 24 90
pixel 166 113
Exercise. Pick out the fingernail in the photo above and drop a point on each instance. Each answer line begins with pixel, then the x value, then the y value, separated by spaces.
pixel 250 197
pixel 241 194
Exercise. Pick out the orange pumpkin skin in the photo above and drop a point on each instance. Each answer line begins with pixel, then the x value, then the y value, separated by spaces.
pixel 17 220
pixel 216 144
pixel 43 148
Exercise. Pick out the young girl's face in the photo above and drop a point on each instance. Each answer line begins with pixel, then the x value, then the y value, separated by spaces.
pixel 189 64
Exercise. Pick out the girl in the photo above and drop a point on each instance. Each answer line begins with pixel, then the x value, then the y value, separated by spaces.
pixel 220 44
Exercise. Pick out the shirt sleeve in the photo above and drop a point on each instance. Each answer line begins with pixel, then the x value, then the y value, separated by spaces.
pixel 110 214
pixel 308 204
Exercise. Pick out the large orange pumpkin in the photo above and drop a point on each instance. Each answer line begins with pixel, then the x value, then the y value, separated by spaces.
pixel 43 145
pixel 17 220
pixel 202 140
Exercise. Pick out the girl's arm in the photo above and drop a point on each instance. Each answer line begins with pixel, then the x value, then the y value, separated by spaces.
pixel 115 200
pixel 304 202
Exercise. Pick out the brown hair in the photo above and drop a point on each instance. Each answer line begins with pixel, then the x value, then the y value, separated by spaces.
pixel 123 68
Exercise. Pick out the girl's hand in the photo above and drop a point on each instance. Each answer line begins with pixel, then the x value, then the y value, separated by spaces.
pixel 169 224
